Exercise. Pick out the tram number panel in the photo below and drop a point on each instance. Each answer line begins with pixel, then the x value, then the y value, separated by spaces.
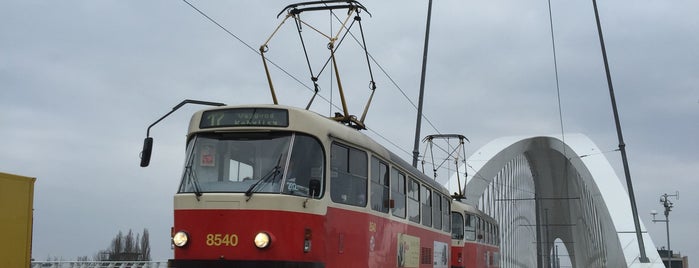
pixel 221 240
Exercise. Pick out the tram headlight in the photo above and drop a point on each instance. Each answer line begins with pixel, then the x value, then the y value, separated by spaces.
pixel 180 239
pixel 262 240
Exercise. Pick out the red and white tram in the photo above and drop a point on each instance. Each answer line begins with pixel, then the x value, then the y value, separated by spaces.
pixel 277 186
pixel 280 186
pixel 475 238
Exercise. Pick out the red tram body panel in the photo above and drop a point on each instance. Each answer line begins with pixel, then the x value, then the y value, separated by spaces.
pixel 342 238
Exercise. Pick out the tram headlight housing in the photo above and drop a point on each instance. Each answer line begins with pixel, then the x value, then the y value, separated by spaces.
pixel 262 240
pixel 180 239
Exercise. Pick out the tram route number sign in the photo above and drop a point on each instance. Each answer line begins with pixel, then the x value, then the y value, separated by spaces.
pixel 245 117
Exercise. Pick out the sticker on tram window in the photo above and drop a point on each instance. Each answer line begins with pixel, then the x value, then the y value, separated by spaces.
pixel 208 154
pixel 245 117
pixel 219 240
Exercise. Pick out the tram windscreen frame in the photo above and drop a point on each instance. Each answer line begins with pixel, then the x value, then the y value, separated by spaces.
pixel 275 162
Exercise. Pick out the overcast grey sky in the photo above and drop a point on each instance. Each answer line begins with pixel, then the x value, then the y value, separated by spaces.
pixel 81 80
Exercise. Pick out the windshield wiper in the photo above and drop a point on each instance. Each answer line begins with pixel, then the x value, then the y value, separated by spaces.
pixel 194 181
pixel 271 174
pixel 192 176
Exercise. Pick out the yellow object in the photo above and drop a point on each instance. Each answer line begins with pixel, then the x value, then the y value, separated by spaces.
pixel 16 211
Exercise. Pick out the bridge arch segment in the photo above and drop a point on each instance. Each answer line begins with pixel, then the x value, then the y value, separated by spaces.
pixel 540 189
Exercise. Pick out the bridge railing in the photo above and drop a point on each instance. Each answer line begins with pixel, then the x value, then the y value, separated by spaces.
pixel 99 264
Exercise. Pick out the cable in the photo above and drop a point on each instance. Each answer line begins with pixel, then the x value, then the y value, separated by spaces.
pixel 254 50
pixel 210 19
pixel 555 67
pixel 221 26
pixel 389 141
pixel 392 81
pixel 401 91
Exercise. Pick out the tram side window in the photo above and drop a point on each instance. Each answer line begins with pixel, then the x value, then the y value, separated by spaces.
pixel 305 168
pixel 470 227
pixel 426 206
pixel 379 185
pixel 349 175
pixel 446 208
pixel 488 233
pixel 437 211
pixel 398 193
pixel 414 200
pixel 497 235
pixel 492 233
pixel 479 229
pixel 457 223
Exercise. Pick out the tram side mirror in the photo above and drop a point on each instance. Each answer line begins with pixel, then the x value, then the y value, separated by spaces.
pixel 480 237
pixel 147 149
pixel 314 187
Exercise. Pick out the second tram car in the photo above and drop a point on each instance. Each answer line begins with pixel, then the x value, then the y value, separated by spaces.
pixel 475 238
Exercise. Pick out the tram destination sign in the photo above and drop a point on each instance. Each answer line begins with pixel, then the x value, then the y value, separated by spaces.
pixel 245 117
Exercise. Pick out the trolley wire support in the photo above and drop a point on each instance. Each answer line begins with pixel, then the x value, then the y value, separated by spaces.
pixel 334 40
pixel 451 154
pixel 322 5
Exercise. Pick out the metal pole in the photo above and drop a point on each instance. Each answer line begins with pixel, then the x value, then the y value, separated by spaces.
pixel 668 207
pixel 667 230
pixel 539 232
pixel 622 147
pixel 548 246
pixel 416 147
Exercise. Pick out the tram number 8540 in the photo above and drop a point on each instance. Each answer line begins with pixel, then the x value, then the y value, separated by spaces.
pixel 217 240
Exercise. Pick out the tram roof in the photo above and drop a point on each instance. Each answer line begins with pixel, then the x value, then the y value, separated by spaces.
pixel 334 130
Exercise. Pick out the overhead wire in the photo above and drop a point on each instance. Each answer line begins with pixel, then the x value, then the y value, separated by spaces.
pixel 210 19
pixel 558 90
pixel 249 46
pixel 555 67
pixel 394 83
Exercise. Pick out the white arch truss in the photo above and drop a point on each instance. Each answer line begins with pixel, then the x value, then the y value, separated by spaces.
pixel 540 189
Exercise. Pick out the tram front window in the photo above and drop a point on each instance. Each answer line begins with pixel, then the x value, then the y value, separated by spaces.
pixel 269 162
pixel 470 227
pixel 457 226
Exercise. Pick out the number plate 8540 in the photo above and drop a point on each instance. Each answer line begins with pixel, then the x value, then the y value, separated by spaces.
pixel 217 240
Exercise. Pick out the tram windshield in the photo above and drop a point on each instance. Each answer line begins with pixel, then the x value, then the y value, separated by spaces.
pixel 261 162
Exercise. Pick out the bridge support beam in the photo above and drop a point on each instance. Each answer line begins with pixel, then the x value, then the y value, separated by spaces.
pixel 541 189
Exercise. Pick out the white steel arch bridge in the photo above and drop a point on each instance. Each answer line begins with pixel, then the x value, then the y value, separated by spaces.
pixel 541 189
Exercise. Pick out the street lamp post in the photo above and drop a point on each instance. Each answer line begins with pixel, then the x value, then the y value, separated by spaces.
pixel 668 207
